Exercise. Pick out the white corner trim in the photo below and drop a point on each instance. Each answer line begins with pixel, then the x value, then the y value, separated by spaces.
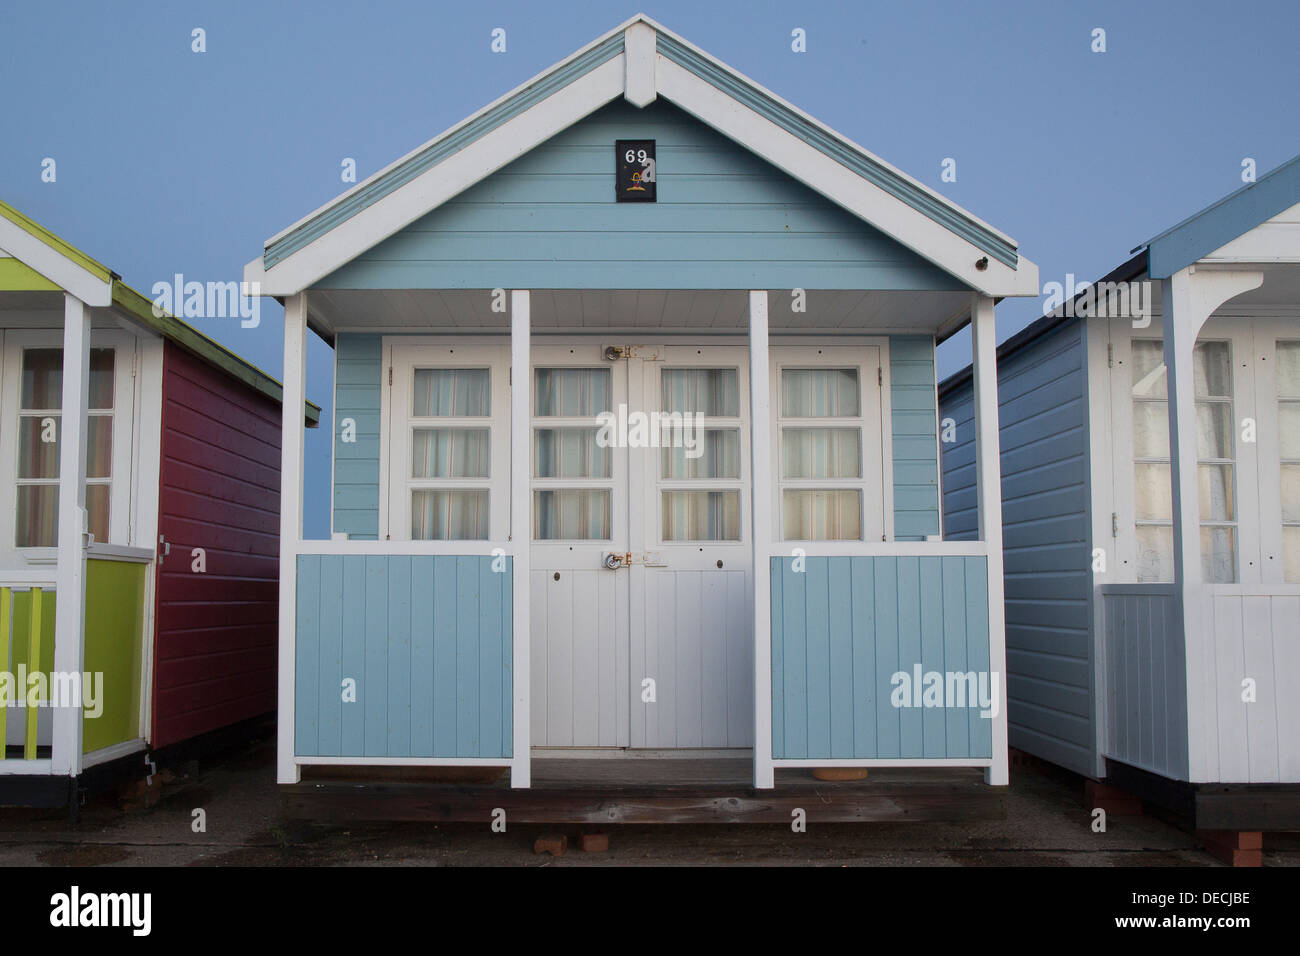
pixel 640 88
pixel 55 266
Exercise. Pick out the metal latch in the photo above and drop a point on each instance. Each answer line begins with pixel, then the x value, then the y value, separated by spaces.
pixel 613 560
pixel 614 353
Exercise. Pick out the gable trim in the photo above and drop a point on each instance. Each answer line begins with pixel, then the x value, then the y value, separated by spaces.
pixel 918 218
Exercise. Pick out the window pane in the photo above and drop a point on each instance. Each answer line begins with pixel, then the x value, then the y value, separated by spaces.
pixel 450 453
pixel 444 392
pixel 1150 430
pixel 1218 555
pixel 42 379
pixel 37 516
pixel 819 392
pixel 1212 369
pixel 1213 430
pixel 101 379
pixel 701 515
pixel 449 514
pixel 1291 492
pixel 37 457
pixel 1216 492
pixel 816 515
pixel 99 448
pixel 1152 491
pixel 1288 370
pixel 570 453
pixel 1155 553
pixel 1291 553
pixel 567 392
pixel 708 391
pixel 1288 430
pixel 571 514
pixel 1148 368
pixel 821 453
pixel 717 455
pixel 97 501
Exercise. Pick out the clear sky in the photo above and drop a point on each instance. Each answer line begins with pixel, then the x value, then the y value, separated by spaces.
pixel 173 161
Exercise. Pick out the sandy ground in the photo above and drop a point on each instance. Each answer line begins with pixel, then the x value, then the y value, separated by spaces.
pixel 1045 826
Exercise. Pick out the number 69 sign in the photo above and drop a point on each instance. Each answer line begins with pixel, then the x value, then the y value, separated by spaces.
pixel 634 170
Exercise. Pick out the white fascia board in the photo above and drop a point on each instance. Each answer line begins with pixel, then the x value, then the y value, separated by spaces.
pixel 449 178
pixel 55 266
pixel 1274 240
pixel 864 199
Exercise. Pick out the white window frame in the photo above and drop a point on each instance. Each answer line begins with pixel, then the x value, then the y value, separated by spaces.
pixel 123 474
pixel 401 356
pixel 871 357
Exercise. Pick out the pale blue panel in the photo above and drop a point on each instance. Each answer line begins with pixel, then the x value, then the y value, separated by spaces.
pixel 795 684
pixel 355 625
pixel 845 626
pixel 422 627
pixel 330 706
pixel 955 613
pixel 911 594
pixel 724 219
pixel 400 691
pixel 914 437
pixel 885 584
pixel 865 691
pixel 374 687
pixel 357 392
pixel 429 642
pixel 306 663
pixel 840 617
pixel 817 621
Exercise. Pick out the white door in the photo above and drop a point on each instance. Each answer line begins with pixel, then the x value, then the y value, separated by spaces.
pixel 641 620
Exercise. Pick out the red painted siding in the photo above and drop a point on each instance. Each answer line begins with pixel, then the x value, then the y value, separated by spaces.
pixel 216 631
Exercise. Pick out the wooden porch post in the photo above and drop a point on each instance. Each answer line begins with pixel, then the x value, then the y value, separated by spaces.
pixel 760 443
pixel 70 596
pixel 1187 299
pixel 988 485
pixel 291 464
pixel 520 531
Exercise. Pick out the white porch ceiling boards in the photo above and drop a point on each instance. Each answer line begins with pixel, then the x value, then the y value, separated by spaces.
pixel 694 311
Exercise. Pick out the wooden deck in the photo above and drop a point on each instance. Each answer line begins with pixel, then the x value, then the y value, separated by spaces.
pixel 611 791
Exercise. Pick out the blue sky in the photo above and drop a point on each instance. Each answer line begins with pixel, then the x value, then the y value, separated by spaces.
pixel 171 161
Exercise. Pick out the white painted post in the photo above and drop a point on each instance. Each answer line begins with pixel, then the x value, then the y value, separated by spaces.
pixel 988 472
pixel 70 594
pixel 760 473
pixel 291 467
pixel 520 530
pixel 1188 298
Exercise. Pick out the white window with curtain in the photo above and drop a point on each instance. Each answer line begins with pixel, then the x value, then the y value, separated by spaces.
pixel 829 454
pixel 573 472
pixel 447 421
pixel 1287 374
pixel 700 489
pixel 32 430
pixel 1216 461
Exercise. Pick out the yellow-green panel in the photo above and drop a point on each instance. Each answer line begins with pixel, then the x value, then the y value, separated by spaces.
pixel 115 593
pixel 16 276
pixel 20 633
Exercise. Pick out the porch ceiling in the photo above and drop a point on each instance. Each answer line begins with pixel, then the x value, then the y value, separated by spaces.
pixel 707 311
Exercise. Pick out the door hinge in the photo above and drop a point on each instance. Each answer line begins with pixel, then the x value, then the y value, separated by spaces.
pixel 1114 524
pixel 164 549
pixel 1110 355
pixel 880 376
pixel 390 375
